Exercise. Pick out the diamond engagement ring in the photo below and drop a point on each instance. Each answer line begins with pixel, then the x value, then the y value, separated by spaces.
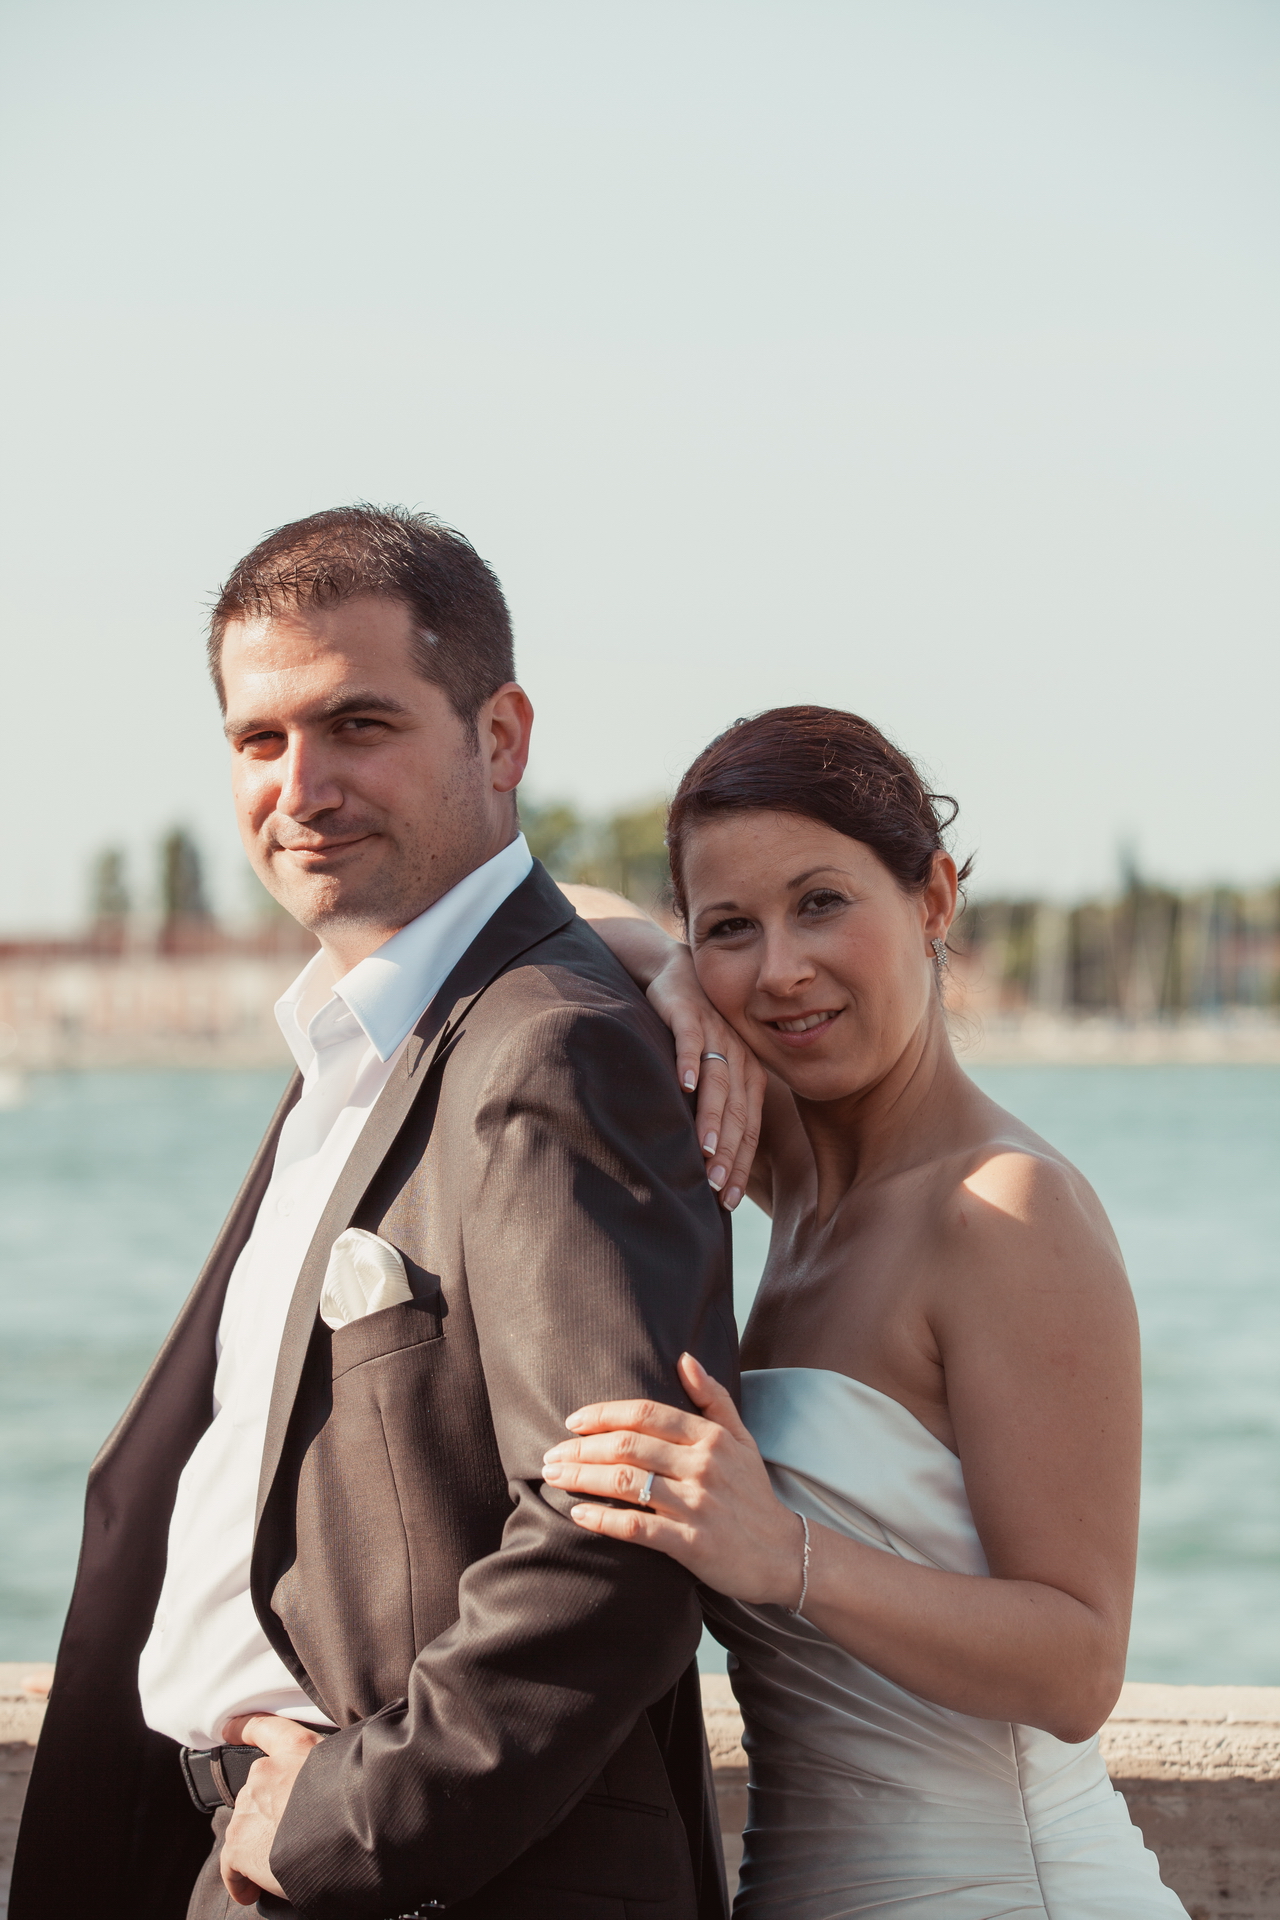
pixel 646 1491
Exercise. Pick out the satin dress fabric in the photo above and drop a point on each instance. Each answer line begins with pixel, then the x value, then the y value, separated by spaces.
pixel 863 1798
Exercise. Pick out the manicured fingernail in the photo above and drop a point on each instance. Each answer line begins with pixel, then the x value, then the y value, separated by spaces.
pixel 732 1198
pixel 551 1469
pixel 717 1177
pixel 711 1142
pixel 575 1421
pixel 690 1080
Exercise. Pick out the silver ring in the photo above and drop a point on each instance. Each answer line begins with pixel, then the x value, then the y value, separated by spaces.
pixel 715 1056
pixel 646 1491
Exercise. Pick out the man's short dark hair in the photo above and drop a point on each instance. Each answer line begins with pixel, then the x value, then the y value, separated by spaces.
pixel 461 626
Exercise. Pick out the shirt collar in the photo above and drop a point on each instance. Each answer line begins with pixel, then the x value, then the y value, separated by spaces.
pixel 389 992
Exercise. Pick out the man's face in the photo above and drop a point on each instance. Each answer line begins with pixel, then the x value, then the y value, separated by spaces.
pixel 360 795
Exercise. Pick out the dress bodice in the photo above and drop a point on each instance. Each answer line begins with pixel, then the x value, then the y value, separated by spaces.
pixel 864 1798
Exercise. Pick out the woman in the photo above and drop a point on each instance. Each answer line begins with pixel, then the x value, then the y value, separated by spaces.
pixel 920 1535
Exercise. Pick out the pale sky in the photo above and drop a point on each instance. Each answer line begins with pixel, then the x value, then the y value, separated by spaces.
pixel 917 358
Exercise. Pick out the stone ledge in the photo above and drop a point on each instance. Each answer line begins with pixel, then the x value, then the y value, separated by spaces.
pixel 21 1707
pixel 1199 1768
pixel 1194 1733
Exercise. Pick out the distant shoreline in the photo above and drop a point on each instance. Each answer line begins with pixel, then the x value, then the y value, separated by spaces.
pixel 1239 1038
pixel 216 1010
pixel 1034 1040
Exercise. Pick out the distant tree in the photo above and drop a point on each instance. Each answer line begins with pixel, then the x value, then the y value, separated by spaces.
pixel 108 890
pixel 182 894
pixel 554 831
pixel 629 855
pixel 187 924
pixel 108 903
pixel 625 852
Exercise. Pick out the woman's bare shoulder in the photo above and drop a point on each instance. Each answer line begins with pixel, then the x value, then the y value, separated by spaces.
pixel 1013 1210
pixel 1026 1296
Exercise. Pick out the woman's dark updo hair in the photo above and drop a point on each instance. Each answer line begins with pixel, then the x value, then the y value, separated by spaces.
pixel 824 765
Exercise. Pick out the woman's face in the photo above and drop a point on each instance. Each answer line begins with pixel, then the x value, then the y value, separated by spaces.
pixel 808 945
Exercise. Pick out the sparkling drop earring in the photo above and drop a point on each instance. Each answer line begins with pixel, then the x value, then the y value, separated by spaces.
pixel 941 958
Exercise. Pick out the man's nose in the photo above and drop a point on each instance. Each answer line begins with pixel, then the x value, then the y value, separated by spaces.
pixel 307 784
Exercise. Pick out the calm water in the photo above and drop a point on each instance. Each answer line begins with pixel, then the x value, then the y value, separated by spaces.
pixel 114 1183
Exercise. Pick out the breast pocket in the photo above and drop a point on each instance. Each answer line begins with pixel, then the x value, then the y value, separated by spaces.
pixel 390 1330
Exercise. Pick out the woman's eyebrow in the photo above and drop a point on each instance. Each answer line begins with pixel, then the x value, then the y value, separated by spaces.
pixel 733 906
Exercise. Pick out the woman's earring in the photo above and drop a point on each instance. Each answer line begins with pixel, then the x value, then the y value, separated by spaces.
pixel 940 955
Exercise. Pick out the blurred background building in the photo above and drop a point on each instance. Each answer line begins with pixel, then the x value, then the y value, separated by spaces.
pixel 1146 972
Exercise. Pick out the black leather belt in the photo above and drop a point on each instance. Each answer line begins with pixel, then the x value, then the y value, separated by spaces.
pixel 215 1775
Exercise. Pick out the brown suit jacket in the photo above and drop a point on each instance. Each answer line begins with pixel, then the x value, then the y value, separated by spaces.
pixel 520 1735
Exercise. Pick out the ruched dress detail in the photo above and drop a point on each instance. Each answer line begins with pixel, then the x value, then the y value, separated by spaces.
pixel 865 1799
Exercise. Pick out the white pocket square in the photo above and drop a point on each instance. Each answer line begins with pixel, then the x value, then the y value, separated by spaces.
pixel 364 1275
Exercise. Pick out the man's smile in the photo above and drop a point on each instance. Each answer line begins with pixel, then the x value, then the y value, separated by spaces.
pixel 318 852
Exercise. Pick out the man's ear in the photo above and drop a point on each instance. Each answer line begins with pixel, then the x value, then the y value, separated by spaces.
pixel 505 727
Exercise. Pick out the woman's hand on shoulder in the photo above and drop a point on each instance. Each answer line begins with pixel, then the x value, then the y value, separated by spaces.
pixel 710 1504
pixel 731 1084
pixel 710 1057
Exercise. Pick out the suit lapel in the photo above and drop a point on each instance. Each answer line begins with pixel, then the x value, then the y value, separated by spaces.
pixel 528 916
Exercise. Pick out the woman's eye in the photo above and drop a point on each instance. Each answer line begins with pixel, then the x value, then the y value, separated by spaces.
pixel 822 900
pixel 726 929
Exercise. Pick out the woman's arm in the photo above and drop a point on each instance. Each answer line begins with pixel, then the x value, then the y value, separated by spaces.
pixel 730 1090
pixel 1039 1343
pixel 631 935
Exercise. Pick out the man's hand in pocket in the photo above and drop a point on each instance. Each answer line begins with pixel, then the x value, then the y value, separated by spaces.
pixel 260 1804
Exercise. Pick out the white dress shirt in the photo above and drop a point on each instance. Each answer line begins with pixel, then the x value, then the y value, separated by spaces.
pixel 207 1657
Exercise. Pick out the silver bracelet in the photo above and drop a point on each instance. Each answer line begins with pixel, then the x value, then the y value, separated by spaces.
pixel 798 1609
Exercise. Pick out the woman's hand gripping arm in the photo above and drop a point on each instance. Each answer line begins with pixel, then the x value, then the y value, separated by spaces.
pixel 710 1058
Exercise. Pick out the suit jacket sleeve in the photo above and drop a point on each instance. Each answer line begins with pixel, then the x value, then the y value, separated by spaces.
pixel 595 1255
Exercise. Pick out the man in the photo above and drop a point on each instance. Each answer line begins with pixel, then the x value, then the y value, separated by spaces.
pixel 320 1533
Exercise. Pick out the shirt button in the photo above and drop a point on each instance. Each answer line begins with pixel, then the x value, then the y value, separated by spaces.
pixel 284 1205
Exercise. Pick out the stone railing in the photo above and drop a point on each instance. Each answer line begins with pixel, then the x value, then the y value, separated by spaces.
pixel 21 1712
pixel 1198 1766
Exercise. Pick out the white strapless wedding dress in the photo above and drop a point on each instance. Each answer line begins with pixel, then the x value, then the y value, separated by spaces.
pixel 864 1799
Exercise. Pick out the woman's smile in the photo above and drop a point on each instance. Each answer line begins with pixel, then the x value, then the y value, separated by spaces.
pixel 802 1028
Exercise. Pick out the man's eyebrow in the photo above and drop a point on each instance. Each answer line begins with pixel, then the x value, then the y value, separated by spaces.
pixel 335 709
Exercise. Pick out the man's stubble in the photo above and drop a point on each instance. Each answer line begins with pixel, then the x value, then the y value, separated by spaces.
pixel 420 863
